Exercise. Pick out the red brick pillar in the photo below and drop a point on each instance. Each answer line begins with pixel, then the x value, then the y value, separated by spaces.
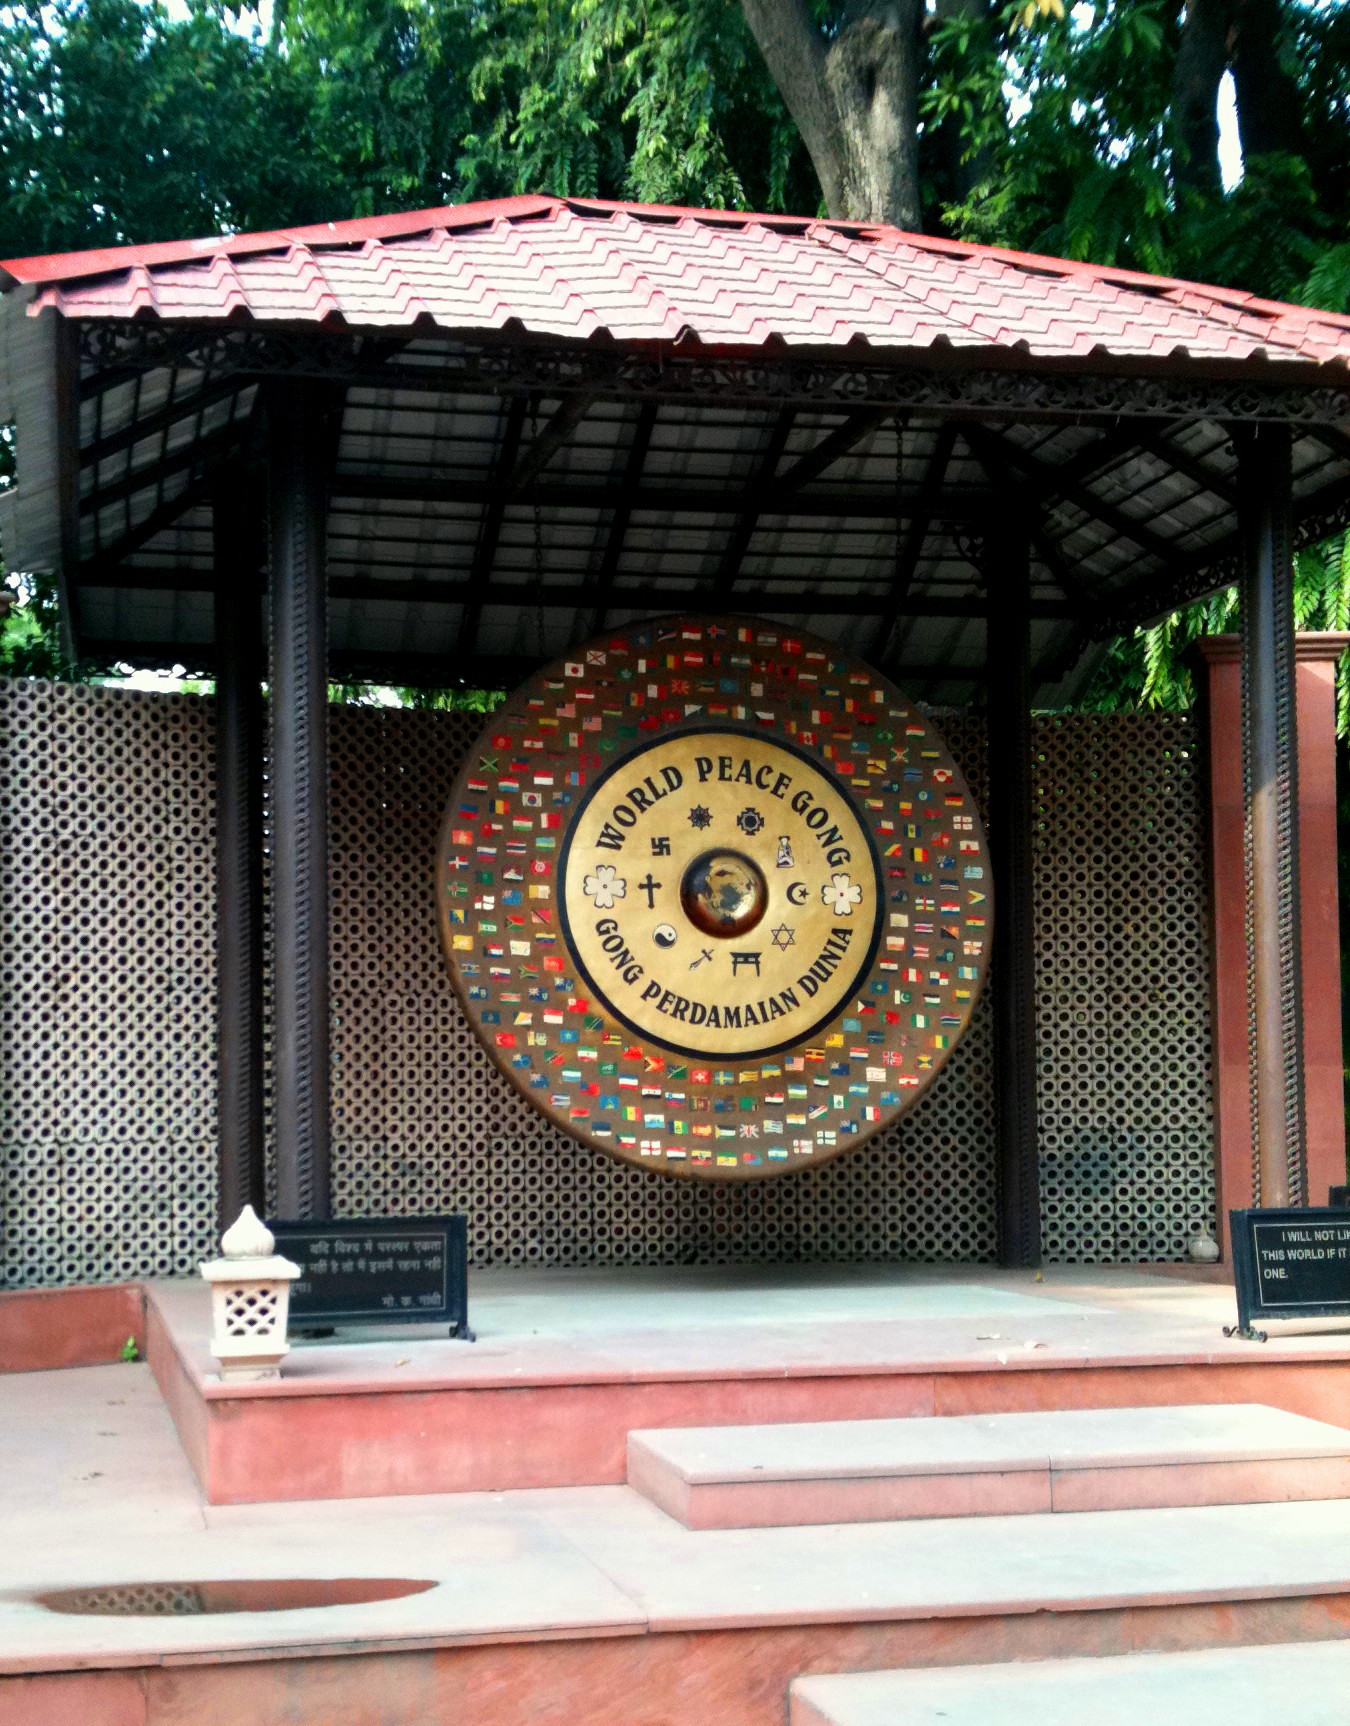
pixel 1316 657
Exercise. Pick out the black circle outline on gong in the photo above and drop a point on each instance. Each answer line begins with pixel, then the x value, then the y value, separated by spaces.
pixel 811 761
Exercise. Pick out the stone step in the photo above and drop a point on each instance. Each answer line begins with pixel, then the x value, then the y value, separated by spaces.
pixel 988 1465
pixel 1298 1684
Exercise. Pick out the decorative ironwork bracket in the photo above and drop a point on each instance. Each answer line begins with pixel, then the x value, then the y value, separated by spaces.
pixel 521 364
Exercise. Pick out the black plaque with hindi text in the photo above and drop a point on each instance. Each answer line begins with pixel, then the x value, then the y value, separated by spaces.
pixel 1290 1263
pixel 389 1270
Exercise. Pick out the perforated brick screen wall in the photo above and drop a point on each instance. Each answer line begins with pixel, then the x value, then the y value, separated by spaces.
pixel 106 1002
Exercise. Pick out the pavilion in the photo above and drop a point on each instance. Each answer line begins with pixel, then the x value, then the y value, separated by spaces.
pixel 479 435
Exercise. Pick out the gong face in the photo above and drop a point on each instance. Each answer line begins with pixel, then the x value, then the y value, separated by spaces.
pixel 720 893
pixel 714 897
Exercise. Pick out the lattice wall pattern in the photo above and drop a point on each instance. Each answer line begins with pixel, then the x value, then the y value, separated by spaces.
pixel 107 983
pixel 106 1002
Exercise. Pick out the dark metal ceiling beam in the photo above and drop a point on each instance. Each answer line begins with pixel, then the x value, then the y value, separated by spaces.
pixel 832 447
pixel 490 527
pixel 1102 452
pixel 911 549
pixel 991 453
pixel 738 543
pixel 555 596
pixel 1046 485
pixel 643 427
pixel 562 423
pixel 216 447
pixel 1219 485
pixel 105 569
pixel 175 413
pixel 879 505
pixel 414 670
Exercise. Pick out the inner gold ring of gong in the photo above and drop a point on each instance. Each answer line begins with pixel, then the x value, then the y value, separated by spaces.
pixel 723 893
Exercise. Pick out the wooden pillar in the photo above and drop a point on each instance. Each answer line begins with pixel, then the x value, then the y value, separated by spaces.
pixel 1011 818
pixel 297 439
pixel 1315 659
pixel 240 536
pixel 1271 757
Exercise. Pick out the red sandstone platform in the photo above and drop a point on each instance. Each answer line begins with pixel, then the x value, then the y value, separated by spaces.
pixel 568 1363
pixel 587 1603
pixel 1066 1460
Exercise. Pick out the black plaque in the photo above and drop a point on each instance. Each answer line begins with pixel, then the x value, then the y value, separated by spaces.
pixel 392 1270
pixel 1291 1263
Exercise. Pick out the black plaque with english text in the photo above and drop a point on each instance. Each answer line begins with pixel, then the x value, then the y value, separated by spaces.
pixel 1291 1263
pixel 389 1270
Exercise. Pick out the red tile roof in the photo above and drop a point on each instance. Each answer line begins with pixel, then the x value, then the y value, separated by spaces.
pixel 647 274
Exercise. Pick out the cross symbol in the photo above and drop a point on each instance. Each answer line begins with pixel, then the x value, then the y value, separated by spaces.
pixel 650 888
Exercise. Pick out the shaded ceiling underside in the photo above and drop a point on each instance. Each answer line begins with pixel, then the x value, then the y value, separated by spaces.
pixel 473 534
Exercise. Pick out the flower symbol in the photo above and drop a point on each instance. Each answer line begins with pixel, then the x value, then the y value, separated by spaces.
pixel 841 894
pixel 605 886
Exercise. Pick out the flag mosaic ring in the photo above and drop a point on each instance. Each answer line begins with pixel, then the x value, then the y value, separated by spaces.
pixel 715 897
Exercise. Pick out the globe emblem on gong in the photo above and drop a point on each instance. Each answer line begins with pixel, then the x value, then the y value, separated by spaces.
pixel 723 893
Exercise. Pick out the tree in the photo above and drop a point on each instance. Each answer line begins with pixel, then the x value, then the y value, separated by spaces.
pixel 1152 667
pixel 852 88
pixel 1089 132
pixel 119 122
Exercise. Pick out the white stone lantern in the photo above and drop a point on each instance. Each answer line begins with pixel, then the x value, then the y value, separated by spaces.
pixel 250 1298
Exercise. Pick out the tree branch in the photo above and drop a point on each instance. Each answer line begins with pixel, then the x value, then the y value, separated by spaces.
pixel 872 72
pixel 794 52
pixel 1269 104
pixel 854 98
pixel 1200 65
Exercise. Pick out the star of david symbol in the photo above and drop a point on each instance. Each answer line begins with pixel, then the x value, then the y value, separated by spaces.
pixel 700 817
pixel 783 936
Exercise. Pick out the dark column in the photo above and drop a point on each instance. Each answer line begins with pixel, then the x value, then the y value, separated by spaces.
pixel 1271 773
pixel 1011 814
pixel 298 442
pixel 240 538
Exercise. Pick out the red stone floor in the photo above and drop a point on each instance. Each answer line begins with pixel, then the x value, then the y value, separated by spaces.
pixel 574 1600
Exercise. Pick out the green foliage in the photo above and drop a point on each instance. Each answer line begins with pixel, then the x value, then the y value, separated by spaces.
pixel 1153 667
pixel 119 122
pixel 386 86
pixel 1071 119
pixel 452 700
pixel 30 631
pixel 128 1351
pixel 667 101
pixel 356 693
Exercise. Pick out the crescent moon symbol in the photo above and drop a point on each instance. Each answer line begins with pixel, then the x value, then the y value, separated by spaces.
pixel 797 893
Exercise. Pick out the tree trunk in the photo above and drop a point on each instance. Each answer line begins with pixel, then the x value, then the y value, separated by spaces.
pixel 854 97
pixel 959 174
pixel 1200 66
pixel 1268 100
